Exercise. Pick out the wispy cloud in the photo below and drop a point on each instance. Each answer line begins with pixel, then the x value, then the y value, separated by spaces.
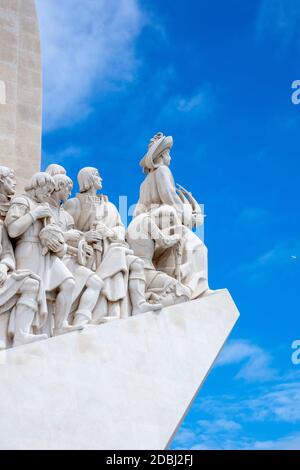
pixel 277 258
pixel 289 442
pixel 88 47
pixel 277 404
pixel 228 421
pixel 279 20
pixel 256 362
pixel 200 105
pixel 69 153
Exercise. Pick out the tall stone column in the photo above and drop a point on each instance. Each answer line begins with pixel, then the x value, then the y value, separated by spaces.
pixel 20 88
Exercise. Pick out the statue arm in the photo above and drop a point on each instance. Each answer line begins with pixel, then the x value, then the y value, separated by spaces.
pixel 149 226
pixel 166 188
pixel 119 229
pixel 115 224
pixel 72 206
pixel 18 219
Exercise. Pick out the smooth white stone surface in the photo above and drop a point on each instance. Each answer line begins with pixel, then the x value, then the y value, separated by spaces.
pixel 123 385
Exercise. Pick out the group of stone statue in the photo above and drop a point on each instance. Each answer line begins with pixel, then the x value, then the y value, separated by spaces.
pixel 66 263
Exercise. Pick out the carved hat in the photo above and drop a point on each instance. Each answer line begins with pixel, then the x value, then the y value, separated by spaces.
pixel 158 144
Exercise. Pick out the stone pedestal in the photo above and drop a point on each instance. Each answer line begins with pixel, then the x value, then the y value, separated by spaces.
pixel 122 385
pixel 20 89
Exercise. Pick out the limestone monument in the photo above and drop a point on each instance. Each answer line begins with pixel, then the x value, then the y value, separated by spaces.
pixel 106 333
pixel 20 88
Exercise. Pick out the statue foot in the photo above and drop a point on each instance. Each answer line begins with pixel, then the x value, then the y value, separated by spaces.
pixel 207 293
pixel 81 320
pixel 67 329
pixel 106 320
pixel 19 340
pixel 146 307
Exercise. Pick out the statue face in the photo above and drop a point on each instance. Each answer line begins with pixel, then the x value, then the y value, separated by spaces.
pixel 167 158
pixel 42 193
pixel 65 192
pixel 9 184
pixel 97 180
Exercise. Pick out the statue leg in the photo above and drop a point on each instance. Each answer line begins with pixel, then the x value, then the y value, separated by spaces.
pixel 137 286
pixel 63 307
pixel 26 309
pixel 88 300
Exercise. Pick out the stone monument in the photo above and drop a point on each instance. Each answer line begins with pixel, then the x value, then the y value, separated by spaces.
pixel 20 89
pixel 106 332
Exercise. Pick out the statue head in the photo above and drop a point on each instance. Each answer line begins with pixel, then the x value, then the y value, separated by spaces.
pixel 158 152
pixel 55 169
pixel 7 181
pixel 40 186
pixel 63 186
pixel 89 178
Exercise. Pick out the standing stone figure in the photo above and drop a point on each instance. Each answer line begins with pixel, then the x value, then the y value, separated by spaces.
pixel 27 217
pixel 88 285
pixel 189 263
pixel 20 290
pixel 121 271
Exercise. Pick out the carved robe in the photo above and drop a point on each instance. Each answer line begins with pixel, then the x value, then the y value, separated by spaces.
pixel 81 273
pixel 28 250
pixel 10 290
pixel 116 258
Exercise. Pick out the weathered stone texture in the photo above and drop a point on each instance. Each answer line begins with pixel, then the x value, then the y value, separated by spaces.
pixel 20 70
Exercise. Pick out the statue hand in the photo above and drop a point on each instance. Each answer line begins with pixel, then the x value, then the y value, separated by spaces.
pixel 88 250
pixel 73 236
pixel 197 219
pixel 41 212
pixel 93 236
pixel 172 239
pixel 55 245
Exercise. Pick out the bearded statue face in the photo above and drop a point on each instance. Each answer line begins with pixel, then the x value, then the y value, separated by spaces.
pixel 97 180
pixel 8 184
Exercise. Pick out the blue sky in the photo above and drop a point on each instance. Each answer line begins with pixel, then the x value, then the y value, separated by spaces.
pixel 217 76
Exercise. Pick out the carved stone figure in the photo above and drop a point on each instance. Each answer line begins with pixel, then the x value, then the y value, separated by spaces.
pixel 87 284
pixel 189 263
pixel 55 169
pixel 27 216
pixel 20 290
pixel 121 271
pixel 146 237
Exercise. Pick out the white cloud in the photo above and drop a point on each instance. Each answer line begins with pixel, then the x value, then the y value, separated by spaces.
pixel 279 19
pixel 87 47
pixel 277 258
pixel 70 153
pixel 199 105
pixel 281 403
pixel 275 404
pixel 219 425
pixel 227 421
pixel 256 365
pixel 289 442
